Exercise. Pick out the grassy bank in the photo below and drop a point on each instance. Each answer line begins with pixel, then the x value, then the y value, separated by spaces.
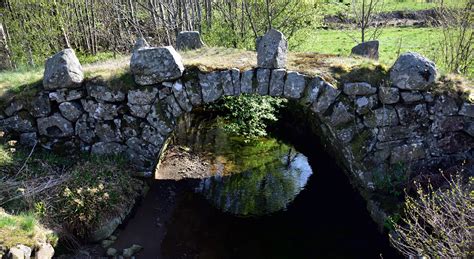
pixel 72 195
pixel 23 229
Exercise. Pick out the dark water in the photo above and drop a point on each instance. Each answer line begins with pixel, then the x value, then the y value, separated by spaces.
pixel 282 198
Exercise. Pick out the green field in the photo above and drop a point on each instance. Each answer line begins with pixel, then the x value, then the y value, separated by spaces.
pixel 335 6
pixel 392 42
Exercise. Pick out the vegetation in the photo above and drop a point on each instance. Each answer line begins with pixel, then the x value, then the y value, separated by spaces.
pixel 67 195
pixel 98 190
pixel 437 223
pixel 22 229
pixel 248 115
pixel 392 181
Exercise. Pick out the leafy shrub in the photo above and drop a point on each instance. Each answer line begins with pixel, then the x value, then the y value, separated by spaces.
pixel 248 114
pixel 437 223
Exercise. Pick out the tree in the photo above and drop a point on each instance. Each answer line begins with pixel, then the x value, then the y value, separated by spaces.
pixel 458 36
pixel 364 12
pixel 5 60
pixel 437 223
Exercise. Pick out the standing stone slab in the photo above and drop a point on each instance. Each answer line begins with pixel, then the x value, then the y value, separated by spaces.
pixel 63 70
pixel 211 86
pixel 295 84
pixel 246 82
pixel 277 82
pixel 188 40
pixel 272 49
pixel 412 71
pixel 263 80
pixel 155 65
pixel 368 49
pixel 55 126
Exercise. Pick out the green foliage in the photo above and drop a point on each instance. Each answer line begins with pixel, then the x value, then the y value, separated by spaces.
pixel 392 181
pixel 238 24
pixel 391 220
pixel 23 228
pixel 248 114
pixel 437 223
pixel 5 156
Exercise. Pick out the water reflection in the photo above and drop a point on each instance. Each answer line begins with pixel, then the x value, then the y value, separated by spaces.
pixel 249 178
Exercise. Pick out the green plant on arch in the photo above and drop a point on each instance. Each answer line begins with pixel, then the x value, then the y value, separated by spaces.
pixel 392 181
pixel 248 114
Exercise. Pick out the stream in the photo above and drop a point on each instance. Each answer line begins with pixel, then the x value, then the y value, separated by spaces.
pixel 281 196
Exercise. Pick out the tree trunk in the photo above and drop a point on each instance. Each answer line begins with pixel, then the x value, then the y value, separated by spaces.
pixel 5 58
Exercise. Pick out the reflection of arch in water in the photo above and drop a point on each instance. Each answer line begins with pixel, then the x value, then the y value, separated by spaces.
pixel 253 177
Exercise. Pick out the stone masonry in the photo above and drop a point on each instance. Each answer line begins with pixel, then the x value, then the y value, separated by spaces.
pixel 370 127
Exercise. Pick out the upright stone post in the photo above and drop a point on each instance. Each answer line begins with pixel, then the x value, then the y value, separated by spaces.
pixel 272 49
pixel 63 70
pixel 189 40
pixel 368 49
pixel 5 59
pixel 153 65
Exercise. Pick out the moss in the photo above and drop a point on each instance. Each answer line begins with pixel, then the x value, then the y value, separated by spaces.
pixel 456 86
pixel 359 143
pixel 374 74
pixel 24 94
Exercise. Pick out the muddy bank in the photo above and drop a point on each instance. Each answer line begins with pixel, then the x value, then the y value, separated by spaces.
pixel 420 18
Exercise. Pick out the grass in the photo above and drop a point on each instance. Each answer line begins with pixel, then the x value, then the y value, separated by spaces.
pixel 392 41
pixel 21 229
pixel 76 193
pixel 332 7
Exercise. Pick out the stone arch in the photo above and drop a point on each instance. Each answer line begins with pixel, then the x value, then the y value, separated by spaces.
pixel 368 127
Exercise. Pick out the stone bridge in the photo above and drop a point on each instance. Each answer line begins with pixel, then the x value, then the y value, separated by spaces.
pixel 369 127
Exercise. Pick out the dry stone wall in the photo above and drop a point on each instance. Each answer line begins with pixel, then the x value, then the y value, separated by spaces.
pixel 370 127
